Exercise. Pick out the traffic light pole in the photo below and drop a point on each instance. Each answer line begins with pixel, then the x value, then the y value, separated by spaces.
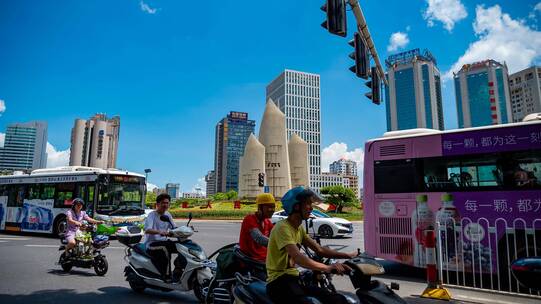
pixel 363 30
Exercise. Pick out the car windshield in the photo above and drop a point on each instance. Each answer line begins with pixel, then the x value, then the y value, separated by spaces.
pixel 121 198
pixel 318 213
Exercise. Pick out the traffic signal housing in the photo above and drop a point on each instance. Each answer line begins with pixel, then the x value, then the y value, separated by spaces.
pixel 374 85
pixel 361 57
pixel 336 17
pixel 261 179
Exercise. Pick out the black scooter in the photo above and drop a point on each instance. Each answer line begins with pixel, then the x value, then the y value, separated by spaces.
pixel 249 290
pixel 527 271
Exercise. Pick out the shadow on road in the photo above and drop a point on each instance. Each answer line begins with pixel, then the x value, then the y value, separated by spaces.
pixel 61 273
pixel 113 294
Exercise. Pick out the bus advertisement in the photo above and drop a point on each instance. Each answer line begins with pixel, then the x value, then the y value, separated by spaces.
pixel 37 202
pixel 479 188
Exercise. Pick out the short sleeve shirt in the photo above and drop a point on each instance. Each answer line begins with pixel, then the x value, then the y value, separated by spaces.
pixel 247 244
pixel 153 222
pixel 75 217
pixel 278 261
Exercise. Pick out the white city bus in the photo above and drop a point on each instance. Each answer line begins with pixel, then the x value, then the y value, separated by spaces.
pixel 37 202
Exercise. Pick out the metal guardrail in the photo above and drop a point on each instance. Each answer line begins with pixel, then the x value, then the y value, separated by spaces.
pixel 478 254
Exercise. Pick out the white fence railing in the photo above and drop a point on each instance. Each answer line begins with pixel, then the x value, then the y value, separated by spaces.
pixel 478 254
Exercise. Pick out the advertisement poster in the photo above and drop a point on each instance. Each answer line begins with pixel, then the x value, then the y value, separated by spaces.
pixel 36 215
pixel 3 212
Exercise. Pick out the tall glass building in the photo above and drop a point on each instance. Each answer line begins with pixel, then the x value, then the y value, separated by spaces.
pixel 25 147
pixel 413 95
pixel 482 94
pixel 232 133
pixel 297 95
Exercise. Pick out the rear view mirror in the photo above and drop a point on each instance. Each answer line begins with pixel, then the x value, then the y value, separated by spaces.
pixel 165 218
pixel 528 272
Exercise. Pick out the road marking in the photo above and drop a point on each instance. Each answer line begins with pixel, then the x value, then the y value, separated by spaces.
pixel 42 246
pixel 3 241
pixel 482 300
pixel 13 239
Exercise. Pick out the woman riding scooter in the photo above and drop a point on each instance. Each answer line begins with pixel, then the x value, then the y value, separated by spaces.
pixel 75 217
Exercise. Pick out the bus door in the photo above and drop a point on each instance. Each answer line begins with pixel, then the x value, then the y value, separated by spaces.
pixel 86 192
pixel 3 206
pixel 15 199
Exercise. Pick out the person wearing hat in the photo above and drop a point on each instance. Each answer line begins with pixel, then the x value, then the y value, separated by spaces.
pixel 283 254
pixel 75 217
pixel 256 228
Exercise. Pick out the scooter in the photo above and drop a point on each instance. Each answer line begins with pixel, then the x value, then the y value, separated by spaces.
pixel 193 271
pixel 527 271
pixel 249 290
pixel 87 250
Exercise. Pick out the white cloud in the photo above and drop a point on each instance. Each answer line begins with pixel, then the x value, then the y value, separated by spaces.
pixel 2 106
pixel 337 151
pixel 201 185
pixel 2 137
pixel 397 41
pixel 447 12
pixel 151 186
pixel 57 158
pixel 147 9
pixel 537 7
pixel 500 38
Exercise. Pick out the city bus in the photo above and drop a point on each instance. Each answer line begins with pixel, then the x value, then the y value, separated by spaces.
pixel 478 188
pixel 37 202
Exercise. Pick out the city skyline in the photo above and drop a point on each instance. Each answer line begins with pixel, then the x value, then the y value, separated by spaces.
pixel 169 95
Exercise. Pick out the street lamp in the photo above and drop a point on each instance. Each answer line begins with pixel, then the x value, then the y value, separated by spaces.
pixel 147 171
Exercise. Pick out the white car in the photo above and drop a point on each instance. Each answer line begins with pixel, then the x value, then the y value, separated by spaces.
pixel 324 225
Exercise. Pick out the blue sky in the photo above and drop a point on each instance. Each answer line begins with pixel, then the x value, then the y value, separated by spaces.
pixel 173 69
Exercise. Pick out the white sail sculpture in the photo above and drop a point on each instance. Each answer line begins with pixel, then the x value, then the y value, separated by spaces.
pixel 298 161
pixel 251 164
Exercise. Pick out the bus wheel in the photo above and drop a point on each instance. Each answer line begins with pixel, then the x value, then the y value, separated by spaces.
pixel 60 225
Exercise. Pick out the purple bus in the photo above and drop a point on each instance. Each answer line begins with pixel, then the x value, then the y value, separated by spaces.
pixel 478 188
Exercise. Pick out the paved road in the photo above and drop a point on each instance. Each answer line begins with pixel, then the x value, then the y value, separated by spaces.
pixel 28 273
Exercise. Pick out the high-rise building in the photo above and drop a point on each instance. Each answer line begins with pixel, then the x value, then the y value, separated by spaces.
pixel 344 167
pixel 232 133
pixel 413 96
pixel 297 95
pixel 482 94
pixel 25 147
pixel 210 180
pixel 525 91
pixel 173 190
pixel 94 142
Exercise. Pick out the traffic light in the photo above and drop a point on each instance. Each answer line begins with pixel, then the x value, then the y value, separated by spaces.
pixel 261 179
pixel 336 17
pixel 361 57
pixel 373 84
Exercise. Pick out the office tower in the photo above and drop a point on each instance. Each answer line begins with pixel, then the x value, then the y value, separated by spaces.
pixel 94 142
pixel 482 94
pixel 232 133
pixel 173 190
pixel 525 91
pixel 297 95
pixel 25 146
pixel 344 167
pixel 210 179
pixel 413 95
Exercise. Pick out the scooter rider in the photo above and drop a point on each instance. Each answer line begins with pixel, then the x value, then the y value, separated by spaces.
pixel 156 233
pixel 256 228
pixel 283 254
pixel 75 217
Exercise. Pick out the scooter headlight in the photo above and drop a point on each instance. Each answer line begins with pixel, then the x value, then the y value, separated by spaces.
pixel 198 254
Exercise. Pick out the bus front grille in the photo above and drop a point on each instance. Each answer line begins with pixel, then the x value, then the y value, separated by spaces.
pixel 396 245
pixel 395 225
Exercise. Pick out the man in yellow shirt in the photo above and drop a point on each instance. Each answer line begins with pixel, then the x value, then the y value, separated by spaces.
pixel 283 253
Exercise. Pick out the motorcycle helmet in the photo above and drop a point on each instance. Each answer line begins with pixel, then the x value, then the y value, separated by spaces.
pixel 296 196
pixel 77 201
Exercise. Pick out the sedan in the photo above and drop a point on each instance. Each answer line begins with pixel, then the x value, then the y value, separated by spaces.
pixel 324 225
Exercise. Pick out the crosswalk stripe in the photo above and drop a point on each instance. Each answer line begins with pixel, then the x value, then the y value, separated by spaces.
pixel 13 239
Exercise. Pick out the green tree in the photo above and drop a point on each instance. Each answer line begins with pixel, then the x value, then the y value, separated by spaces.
pixel 340 196
pixel 231 194
pixel 150 197
pixel 219 196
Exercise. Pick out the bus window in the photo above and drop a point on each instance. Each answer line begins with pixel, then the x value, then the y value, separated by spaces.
pixel 3 190
pixel 64 195
pixel 16 195
pixel 522 170
pixel 33 191
pixel 396 176
pixel 47 192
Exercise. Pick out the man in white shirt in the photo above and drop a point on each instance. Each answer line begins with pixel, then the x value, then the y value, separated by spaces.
pixel 156 232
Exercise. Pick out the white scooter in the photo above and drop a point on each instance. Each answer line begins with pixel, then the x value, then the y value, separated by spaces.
pixel 193 271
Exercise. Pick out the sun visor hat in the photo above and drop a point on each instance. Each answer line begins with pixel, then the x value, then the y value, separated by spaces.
pixel 309 193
